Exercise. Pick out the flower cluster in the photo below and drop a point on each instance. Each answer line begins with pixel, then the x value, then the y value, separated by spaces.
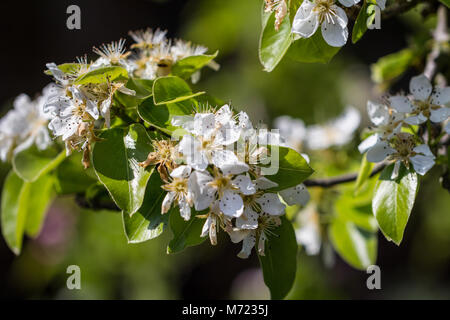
pixel 25 124
pixel 156 54
pixel 225 184
pixel 329 16
pixel 75 110
pixel 390 141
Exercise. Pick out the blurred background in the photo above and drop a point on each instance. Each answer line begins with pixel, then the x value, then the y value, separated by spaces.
pixel 35 33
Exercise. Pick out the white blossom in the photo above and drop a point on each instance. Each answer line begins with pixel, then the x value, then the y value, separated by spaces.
pixel 326 14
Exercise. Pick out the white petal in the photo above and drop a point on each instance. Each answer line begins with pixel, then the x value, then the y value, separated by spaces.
pixel 440 96
pixel 422 163
pixel 234 168
pixel 206 226
pixel 378 113
pixel 424 149
pixel 222 157
pixel 224 115
pixel 415 120
pixel 368 143
pixel 306 20
pixel 245 184
pixel 271 204
pixel 247 245
pixel 335 32
pixel 227 134
pixel 296 195
pixel 440 114
pixel 186 122
pixel 204 124
pixel 401 103
pixel 237 235
pixel 203 195
pixel 379 152
pixel 167 202
pixel 181 172
pixel 231 204
pixel 348 3
pixel 263 183
pixel 420 87
pixel 248 220
pixel 185 209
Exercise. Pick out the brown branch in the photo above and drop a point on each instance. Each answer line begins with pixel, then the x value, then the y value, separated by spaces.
pixel 330 182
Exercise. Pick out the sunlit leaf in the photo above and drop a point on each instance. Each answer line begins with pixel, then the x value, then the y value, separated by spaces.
pixel 171 89
pixel 116 162
pixel 393 201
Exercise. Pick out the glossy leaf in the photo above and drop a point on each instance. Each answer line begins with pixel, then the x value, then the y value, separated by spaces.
pixel 41 195
pixel 116 162
pixel 364 173
pixel 393 201
pixel 24 205
pixel 143 89
pixel 365 17
pixel 273 44
pixel 171 89
pixel 312 50
pixel 72 178
pixel 148 222
pixel 287 167
pixel 102 75
pixel 66 68
pixel 358 247
pixel 391 66
pixel 185 67
pixel 279 264
pixel 185 233
pixel 161 116
pixel 31 163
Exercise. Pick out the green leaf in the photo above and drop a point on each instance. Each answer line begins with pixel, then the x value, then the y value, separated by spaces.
pixel 184 68
pixel 116 162
pixel 446 2
pixel 23 207
pixel 72 178
pixel 148 222
pixel 273 44
pixel 279 263
pixel 161 116
pixel 364 173
pixel 391 66
pixel 312 50
pixel 31 163
pixel 357 209
pixel 143 89
pixel 287 167
pixel 41 195
pixel 185 233
pixel 358 247
pixel 102 75
pixel 360 26
pixel 171 89
pixel 66 68
pixel 14 209
pixel 393 201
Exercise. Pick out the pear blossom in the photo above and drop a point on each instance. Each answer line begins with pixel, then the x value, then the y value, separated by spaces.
pixel 427 103
pixel 388 122
pixel 113 53
pixel 211 134
pixel 325 13
pixel 296 195
pixel 179 191
pixel 292 130
pixel 24 125
pixel 250 237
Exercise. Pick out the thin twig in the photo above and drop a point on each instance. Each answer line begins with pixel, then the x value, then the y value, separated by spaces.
pixel 330 182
